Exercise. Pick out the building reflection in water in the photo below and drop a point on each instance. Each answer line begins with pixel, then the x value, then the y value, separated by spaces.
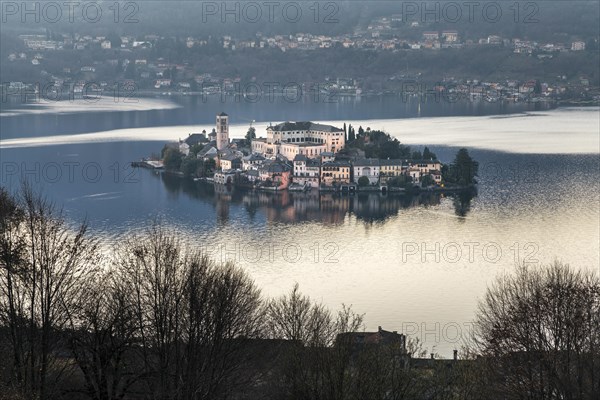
pixel 328 208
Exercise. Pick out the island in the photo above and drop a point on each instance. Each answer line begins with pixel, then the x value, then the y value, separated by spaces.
pixel 306 156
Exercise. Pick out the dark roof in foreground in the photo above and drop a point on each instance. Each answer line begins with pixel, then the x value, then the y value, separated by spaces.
pixel 304 126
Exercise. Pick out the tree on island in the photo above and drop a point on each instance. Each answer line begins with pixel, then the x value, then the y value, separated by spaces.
pixel 380 145
pixel 462 170
pixel 361 132
pixel 191 166
pixel 172 159
pixel 250 135
pixel 351 134
pixel 363 181
pixel 427 180
pixel 416 155
pixel 428 155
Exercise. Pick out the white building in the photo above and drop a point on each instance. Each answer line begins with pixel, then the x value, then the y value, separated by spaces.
pixel 450 36
pixel 578 46
pixel 290 139
pixel 306 171
pixel 369 167
pixel 252 162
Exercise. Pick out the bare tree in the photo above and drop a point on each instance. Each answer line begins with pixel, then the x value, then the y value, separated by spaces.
pixel 318 367
pixel 541 328
pixel 192 316
pixel 12 312
pixel 103 338
pixel 46 263
pixel 155 268
pixel 223 313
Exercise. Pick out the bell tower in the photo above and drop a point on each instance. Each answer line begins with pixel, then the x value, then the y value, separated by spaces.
pixel 222 131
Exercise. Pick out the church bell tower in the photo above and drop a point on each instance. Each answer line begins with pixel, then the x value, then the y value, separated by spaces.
pixel 222 131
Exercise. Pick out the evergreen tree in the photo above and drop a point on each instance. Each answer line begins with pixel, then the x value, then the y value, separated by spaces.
pixel 428 155
pixel 351 135
pixel 345 133
pixel 463 169
pixel 251 134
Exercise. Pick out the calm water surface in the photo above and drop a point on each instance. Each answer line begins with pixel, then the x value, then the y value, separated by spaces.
pixel 416 264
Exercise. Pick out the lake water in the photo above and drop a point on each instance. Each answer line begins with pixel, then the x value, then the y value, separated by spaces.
pixel 412 264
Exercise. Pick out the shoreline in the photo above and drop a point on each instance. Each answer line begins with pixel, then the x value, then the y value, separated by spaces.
pixel 381 189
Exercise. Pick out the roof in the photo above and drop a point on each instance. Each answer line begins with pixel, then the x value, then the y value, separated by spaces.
pixel 230 157
pixel 254 157
pixel 336 164
pixel 222 114
pixel 424 161
pixel 208 148
pixel 304 126
pixel 367 162
pixel 390 162
pixel 300 157
pixel 275 167
pixel 327 154
pixel 195 138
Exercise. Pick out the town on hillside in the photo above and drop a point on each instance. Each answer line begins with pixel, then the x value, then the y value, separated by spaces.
pixel 304 156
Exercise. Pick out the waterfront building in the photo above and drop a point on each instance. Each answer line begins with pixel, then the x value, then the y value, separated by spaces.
pixel 224 177
pixel 335 172
pixel 276 174
pixel 252 162
pixel 306 171
pixel 369 167
pixel 426 166
pixel 230 161
pixel 391 168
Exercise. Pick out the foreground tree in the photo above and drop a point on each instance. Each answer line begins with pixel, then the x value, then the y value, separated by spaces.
pixel 191 317
pixel 45 266
pixel 541 328
pixel 317 367
pixel 103 338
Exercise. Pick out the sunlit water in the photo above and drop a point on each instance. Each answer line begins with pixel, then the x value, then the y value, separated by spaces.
pixel 413 264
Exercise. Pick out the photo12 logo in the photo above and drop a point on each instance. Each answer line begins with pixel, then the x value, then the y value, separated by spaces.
pixel 470 11
pixel 52 12
pixel 281 253
pixel 256 12
pixel 469 252
pixel 68 171
pixel 83 91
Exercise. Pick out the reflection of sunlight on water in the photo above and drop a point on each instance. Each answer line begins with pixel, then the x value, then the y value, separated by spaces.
pixel 343 251
pixel 97 104
pixel 551 211
pixel 560 131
